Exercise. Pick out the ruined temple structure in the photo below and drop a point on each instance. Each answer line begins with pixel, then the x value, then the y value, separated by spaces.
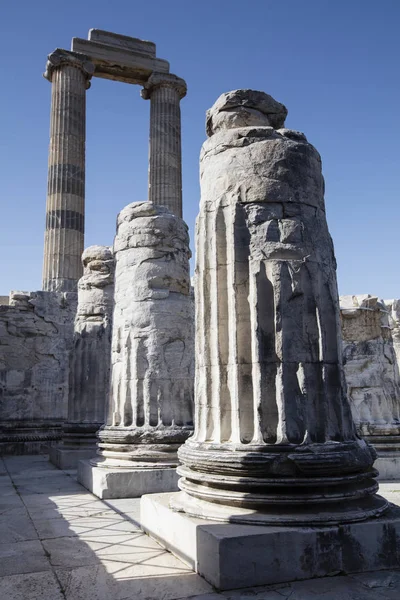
pixel 120 58
pixel 43 384
pixel 89 359
pixel 275 444
pixel 370 356
pixel 151 395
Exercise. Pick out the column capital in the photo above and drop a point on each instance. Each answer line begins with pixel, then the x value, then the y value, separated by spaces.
pixel 157 80
pixel 73 59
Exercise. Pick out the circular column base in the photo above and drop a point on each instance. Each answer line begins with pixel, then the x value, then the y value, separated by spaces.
pixel 139 463
pixel 325 514
pixel 140 447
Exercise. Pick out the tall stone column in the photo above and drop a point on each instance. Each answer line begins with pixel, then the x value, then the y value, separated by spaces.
pixel 165 92
pixel 89 373
pixel 151 392
pixel 274 441
pixel 274 431
pixel 70 75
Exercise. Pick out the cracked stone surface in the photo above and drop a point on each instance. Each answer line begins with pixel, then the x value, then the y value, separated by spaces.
pixel 90 357
pixel 152 356
pixel 370 362
pixel 270 393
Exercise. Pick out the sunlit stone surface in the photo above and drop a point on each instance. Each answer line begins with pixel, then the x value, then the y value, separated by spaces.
pixel 151 396
pixel 89 360
pixel 274 431
pixel 70 75
pixel 370 349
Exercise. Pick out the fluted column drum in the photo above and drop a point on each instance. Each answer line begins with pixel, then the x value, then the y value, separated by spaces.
pixel 64 236
pixel 151 393
pixel 165 92
pixel 90 358
pixel 274 438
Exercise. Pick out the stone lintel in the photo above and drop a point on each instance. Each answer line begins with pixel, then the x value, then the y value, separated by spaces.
pixel 234 556
pixel 122 41
pixel 67 57
pixel 119 64
pixel 158 79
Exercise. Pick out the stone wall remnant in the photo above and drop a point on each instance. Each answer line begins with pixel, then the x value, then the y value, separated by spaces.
pixel 369 329
pixel 165 91
pixel 121 58
pixel 36 336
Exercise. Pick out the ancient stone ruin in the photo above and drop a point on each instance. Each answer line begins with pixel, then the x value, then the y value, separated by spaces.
pixel 89 367
pixel 151 396
pixel 274 442
pixel 36 337
pixel 120 58
pixel 370 354
pixel 296 392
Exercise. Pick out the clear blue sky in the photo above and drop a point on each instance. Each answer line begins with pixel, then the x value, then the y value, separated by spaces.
pixel 333 63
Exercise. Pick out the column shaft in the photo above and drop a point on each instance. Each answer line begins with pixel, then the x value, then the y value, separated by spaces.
pixel 273 430
pixel 151 391
pixel 90 358
pixel 64 236
pixel 165 157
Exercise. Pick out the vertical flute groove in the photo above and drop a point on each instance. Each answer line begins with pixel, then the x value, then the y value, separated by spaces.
pixel 165 156
pixel 65 206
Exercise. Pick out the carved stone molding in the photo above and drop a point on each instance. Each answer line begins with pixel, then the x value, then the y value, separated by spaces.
pixel 157 80
pixel 61 57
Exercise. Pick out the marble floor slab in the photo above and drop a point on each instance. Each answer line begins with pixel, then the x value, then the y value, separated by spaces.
pixel 59 542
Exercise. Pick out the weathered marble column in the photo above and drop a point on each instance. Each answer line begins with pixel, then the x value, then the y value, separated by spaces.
pixel 274 442
pixel 89 373
pixel 69 74
pixel 165 92
pixel 151 392
pixel 274 432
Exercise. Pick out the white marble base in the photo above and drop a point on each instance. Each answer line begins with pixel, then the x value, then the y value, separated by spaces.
pixel 233 556
pixel 106 482
pixel 68 458
pixel 388 466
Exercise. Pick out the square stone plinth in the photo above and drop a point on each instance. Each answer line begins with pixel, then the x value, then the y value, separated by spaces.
pixel 388 466
pixel 68 458
pixel 126 483
pixel 233 556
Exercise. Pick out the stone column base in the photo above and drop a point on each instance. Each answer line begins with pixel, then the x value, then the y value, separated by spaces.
pixel 234 556
pixel 114 482
pixel 68 458
pixel 388 465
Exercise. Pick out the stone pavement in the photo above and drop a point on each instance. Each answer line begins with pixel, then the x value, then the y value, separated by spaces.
pixel 59 542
